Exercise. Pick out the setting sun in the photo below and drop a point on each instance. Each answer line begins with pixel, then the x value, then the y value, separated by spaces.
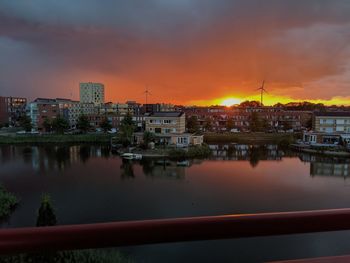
pixel 230 101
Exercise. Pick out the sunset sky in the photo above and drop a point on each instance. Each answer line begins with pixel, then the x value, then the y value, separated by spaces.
pixel 186 51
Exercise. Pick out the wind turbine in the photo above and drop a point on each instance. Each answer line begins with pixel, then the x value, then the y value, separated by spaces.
pixel 262 90
pixel 146 92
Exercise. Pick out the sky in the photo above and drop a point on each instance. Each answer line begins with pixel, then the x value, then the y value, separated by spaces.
pixel 185 51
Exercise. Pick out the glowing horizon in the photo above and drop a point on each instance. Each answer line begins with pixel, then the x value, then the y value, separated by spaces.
pixel 269 100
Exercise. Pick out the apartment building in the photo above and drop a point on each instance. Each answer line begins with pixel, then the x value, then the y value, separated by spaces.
pixel 157 107
pixel 11 109
pixel 76 109
pixel 92 93
pixel 331 122
pixel 44 108
pixel 329 128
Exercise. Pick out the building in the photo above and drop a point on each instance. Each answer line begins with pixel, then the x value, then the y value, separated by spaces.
pixel 76 109
pixel 11 109
pixel 92 93
pixel 329 128
pixel 166 122
pixel 169 129
pixel 330 122
pixel 240 117
pixel 157 107
pixel 44 108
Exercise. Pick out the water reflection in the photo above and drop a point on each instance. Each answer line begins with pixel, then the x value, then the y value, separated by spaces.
pixel 48 159
pixel 252 153
pixel 327 166
pixel 45 159
pixel 164 168
pixel 127 170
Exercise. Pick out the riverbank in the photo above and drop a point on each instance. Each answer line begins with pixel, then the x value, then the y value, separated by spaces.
pixel 55 139
pixel 191 152
pixel 252 138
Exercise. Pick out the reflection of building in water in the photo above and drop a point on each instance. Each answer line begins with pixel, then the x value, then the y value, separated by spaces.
pixel 164 169
pixel 329 169
pixel 236 151
pixel 51 158
pixel 326 165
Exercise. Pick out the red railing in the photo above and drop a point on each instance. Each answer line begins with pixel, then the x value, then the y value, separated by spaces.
pixel 68 237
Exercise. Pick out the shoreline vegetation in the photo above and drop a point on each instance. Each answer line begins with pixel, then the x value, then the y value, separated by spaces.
pixel 55 138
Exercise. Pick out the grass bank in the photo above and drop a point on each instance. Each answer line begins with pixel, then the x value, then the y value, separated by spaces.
pixel 251 138
pixel 8 202
pixel 55 139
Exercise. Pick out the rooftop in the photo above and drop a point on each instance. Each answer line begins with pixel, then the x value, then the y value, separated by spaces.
pixel 333 114
pixel 166 114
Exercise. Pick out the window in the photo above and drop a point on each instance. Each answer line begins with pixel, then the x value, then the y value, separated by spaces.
pixel 158 130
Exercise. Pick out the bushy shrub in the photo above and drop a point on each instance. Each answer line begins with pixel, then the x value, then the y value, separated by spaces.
pixel 8 202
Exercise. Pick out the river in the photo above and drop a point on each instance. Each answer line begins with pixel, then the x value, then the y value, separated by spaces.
pixel 88 184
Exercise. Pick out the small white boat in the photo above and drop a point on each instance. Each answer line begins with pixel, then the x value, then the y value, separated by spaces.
pixel 132 156
pixel 137 156
pixel 183 163
pixel 128 156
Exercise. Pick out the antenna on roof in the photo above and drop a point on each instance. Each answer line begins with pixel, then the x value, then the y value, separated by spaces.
pixel 262 90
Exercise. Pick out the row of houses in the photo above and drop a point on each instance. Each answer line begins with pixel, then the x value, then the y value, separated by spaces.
pixel 240 118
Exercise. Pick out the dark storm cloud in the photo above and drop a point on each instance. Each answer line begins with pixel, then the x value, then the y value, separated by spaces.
pixel 173 43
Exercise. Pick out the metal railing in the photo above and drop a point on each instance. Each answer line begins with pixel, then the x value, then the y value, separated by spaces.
pixel 130 233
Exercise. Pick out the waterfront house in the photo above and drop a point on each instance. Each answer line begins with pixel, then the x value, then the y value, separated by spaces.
pixel 331 128
pixel 331 122
pixel 169 128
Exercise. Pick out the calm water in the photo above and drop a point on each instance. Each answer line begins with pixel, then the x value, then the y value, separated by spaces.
pixel 88 184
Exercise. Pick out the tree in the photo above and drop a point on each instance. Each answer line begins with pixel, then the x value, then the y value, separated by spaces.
pixel 60 124
pixel 47 125
pixel 83 123
pixel 26 123
pixel 255 122
pixel 230 124
pixel 250 104
pixel 208 124
pixel 105 125
pixel 46 214
pixel 192 124
pixel 127 120
pixel 147 138
pixel 126 130
pixel 309 124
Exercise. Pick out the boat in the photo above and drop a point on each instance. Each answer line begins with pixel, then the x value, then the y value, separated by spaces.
pixel 132 156
pixel 137 156
pixel 183 163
